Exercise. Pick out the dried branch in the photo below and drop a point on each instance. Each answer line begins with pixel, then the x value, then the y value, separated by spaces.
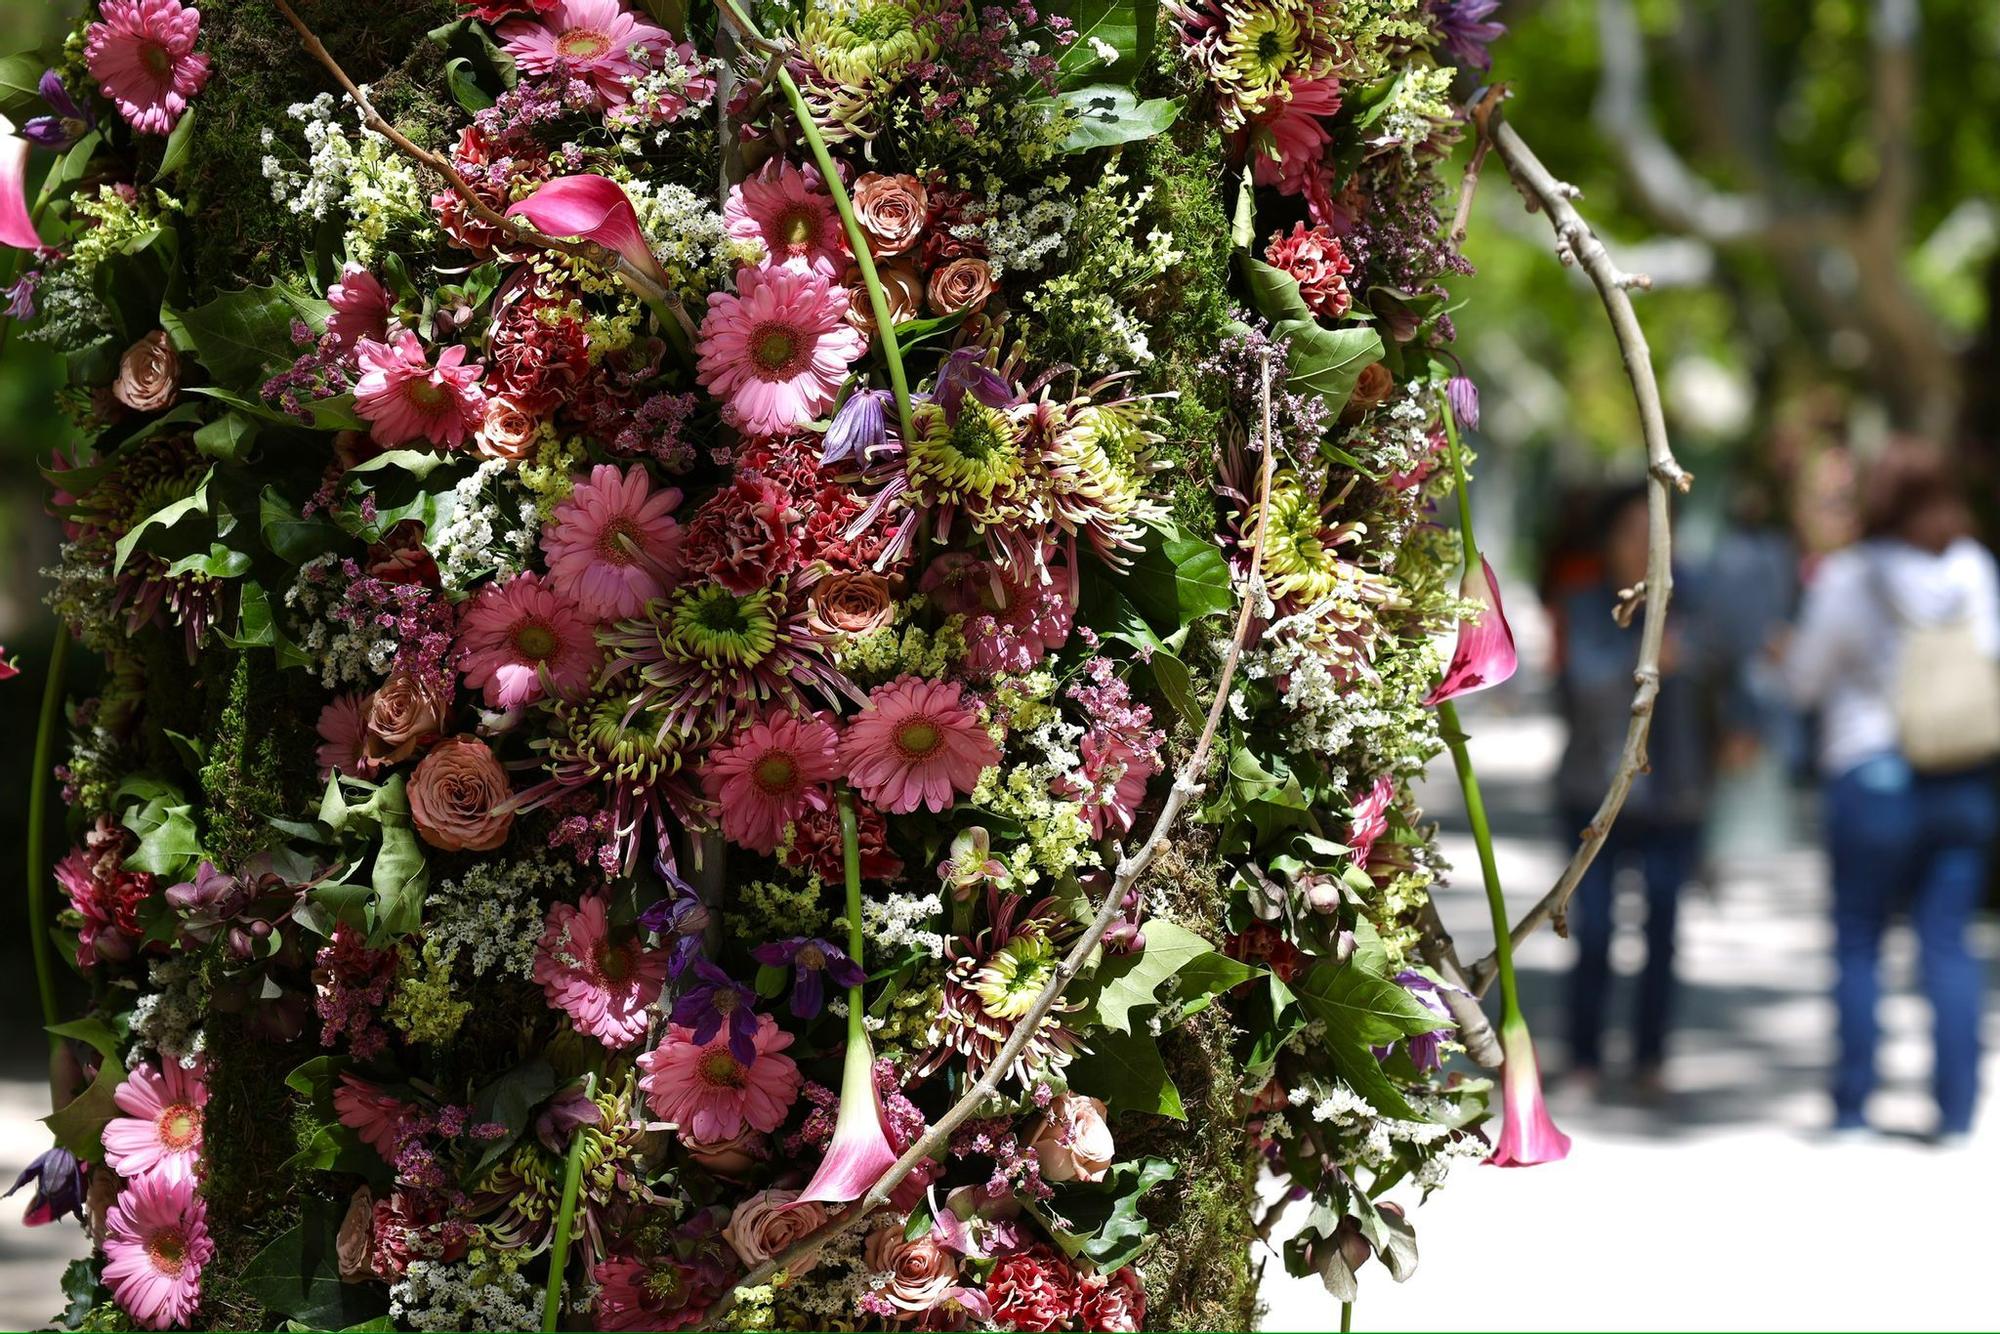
pixel 1578 244
pixel 1475 1030
pixel 648 288
pixel 1131 867
pixel 1482 109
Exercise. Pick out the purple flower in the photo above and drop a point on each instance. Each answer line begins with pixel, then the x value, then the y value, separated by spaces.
pixel 1463 395
pixel 679 919
pixel 21 296
pixel 59 1187
pixel 565 1112
pixel 1424 1046
pixel 70 123
pixel 966 371
pixel 719 999
pixel 810 957
pixel 1462 27
pixel 862 424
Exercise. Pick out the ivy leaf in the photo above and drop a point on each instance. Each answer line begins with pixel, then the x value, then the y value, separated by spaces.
pixel 1125 1070
pixel 1126 26
pixel 79 1124
pixel 289 537
pixel 83 1285
pixel 1106 1226
pixel 239 334
pixel 1327 362
pixel 257 627
pixel 1107 114
pixel 162 518
pixel 399 880
pixel 298 1275
pixel 228 437
pixel 1124 982
pixel 510 1101
pixel 169 843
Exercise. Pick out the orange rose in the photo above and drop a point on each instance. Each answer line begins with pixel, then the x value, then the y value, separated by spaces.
pixel 853 603
pixel 1072 1141
pixel 963 284
pixel 919 1272
pixel 1371 390
pixel 404 714
pixel 892 210
pixel 904 287
pixel 354 1247
pixel 506 432
pixel 454 795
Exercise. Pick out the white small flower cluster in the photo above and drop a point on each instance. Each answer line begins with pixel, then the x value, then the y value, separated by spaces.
pixel 362 177
pixel 492 915
pixel 167 1016
pixel 659 97
pixel 1024 232
pixel 684 231
pixel 835 1298
pixel 895 924
pixel 491 531
pixel 1419 104
pixel 434 1295
pixel 345 655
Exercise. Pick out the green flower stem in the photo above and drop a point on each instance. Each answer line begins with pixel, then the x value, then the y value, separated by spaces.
pixel 1465 537
pixel 566 1219
pixel 850 849
pixel 38 865
pixel 1482 836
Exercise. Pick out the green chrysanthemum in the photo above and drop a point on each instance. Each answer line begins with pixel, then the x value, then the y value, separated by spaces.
pixel 978 463
pixel 721 630
pixel 1098 458
pixel 1300 545
pixel 1008 982
pixel 854 54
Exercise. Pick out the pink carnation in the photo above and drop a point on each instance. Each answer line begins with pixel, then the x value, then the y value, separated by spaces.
pixel 786 211
pixel 522 640
pixel 1313 256
pixel 777 349
pixel 142 56
pixel 710 1095
pixel 746 535
pixel 404 398
pixel 768 774
pixel 613 545
pixel 916 744
pixel 606 987
pixel 160 1133
pixel 591 40
pixel 155 1245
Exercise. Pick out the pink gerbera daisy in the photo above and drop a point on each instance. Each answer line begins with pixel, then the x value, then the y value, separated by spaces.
pixel 343 736
pixel 404 397
pixel 710 1095
pixel 160 1133
pixel 785 210
pixel 371 1114
pixel 777 348
pixel 1298 136
pixel 155 1244
pixel 593 40
pixel 613 545
pixel 768 775
pixel 142 55
pixel 606 987
pixel 916 744
pixel 522 640
pixel 360 307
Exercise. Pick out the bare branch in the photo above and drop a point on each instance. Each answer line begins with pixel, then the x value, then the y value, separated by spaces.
pixel 1131 867
pixel 1482 108
pixel 1475 1030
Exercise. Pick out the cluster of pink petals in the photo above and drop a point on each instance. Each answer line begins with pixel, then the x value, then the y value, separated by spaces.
pixel 770 773
pixel 160 1133
pixel 404 398
pixel 1370 820
pixel 1314 258
pixel 521 640
pixel 17 225
pixel 595 208
pixel 592 40
pixel 343 737
pixel 710 1095
pixel 918 743
pixel 785 209
pixel 1114 774
pixel 613 545
pixel 156 1243
pixel 1287 144
pixel 1528 1135
pixel 361 307
pixel 776 350
pixel 143 58
pixel 606 987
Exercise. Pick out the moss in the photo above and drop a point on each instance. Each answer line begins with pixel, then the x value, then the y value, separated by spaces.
pixel 239 233
pixel 247 777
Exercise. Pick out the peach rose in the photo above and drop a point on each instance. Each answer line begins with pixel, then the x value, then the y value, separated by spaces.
pixel 354 1247
pixel 728 1157
pixel 892 210
pixel 454 793
pixel 919 1272
pixel 507 432
pixel 766 1223
pixel 1072 1141
pixel 963 284
pixel 149 374
pixel 1371 390
pixel 904 287
pixel 404 714
pixel 850 603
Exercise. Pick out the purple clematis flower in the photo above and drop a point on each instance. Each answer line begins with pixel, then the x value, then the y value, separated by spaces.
pixel 862 424
pixel 720 999
pixel 1424 1046
pixel 20 297
pixel 810 958
pixel 59 1187
pixel 965 371
pixel 71 121
pixel 1465 32
pixel 678 919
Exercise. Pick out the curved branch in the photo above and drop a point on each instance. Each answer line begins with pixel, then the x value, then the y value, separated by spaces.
pixel 1577 244
pixel 1130 868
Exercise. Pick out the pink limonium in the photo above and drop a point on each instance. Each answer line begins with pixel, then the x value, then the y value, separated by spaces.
pixel 591 40
pixel 776 349
pixel 1527 1134
pixel 1484 654
pixel 17 225
pixel 404 398
pixel 593 208
pixel 160 1131
pixel 521 640
pixel 770 773
pixel 156 1244
pixel 918 743
pixel 143 58
pixel 788 212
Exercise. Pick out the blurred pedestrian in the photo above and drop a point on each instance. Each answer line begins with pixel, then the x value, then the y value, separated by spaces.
pixel 1659 833
pixel 1898 645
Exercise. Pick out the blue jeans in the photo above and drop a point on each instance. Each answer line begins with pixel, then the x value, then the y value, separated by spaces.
pixel 1895 838
pixel 1664 856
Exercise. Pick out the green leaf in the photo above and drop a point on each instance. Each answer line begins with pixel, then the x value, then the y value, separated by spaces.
pixel 83 1285
pixel 1177 580
pixel 1357 1000
pixel 298 1275
pixel 228 437
pixel 291 538
pixel 162 518
pixel 92 1032
pixel 1243 223
pixel 317 1079
pixel 1126 1071
pixel 399 880
pixel 1107 114
pixel 179 145
pixel 1106 1226
pixel 79 1124
pixel 1327 362
pixel 218 562
pixel 21 85
pixel 465 89
pixel 1126 26
pixel 170 845
pixel 510 1101
pixel 1273 292
pixel 239 335
pixel 257 627
pixel 1125 982
pixel 1206 977
pixel 335 1148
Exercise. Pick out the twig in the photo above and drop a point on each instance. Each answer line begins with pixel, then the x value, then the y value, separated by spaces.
pixel 1130 868
pixel 1475 1030
pixel 1480 114
pixel 645 284
pixel 1663 477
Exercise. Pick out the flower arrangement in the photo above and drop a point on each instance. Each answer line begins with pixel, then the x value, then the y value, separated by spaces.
pixel 751 656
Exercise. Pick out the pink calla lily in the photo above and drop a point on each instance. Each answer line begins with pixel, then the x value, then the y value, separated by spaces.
pixel 1527 1135
pixel 17 227
pixel 860 1152
pixel 1484 655
pixel 594 208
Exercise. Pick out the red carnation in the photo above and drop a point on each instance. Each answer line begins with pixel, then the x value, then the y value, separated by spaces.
pixel 745 536
pixel 537 356
pixel 1114 1304
pixel 1314 257
pixel 816 846
pixel 1034 1290
pixel 493 11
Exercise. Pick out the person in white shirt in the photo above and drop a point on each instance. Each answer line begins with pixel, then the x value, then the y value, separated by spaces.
pixel 1898 837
